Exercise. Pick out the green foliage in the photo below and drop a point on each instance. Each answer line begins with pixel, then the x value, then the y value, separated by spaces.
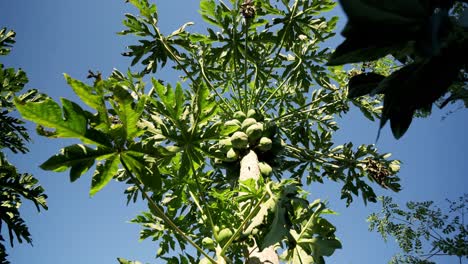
pixel 421 222
pixel 181 147
pixel 12 81
pixel 15 187
pixel 429 44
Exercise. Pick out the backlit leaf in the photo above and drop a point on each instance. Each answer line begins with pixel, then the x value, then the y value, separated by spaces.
pixel 69 122
pixel 79 158
pixel 104 174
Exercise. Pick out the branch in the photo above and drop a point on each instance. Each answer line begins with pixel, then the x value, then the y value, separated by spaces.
pixel 162 215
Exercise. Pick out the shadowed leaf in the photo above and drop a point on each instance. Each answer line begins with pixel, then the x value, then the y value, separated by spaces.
pixel 363 84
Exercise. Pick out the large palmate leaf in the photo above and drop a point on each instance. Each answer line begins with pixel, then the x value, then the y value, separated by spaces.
pixel 104 173
pixel 70 121
pixel 363 84
pixel 7 39
pixel 78 158
pixel 421 35
pixel 315 240
pixel 128 112
pixel 145 170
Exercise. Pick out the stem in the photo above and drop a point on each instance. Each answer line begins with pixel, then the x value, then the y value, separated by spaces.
pixel 236 76
pixel 176 59
pixel 214 89
pixel 299 110
pixel 201 191
pixel 279 46
pixel 246 34
pixel 160 213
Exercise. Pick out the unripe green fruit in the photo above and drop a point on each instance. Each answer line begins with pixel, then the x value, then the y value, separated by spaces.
pixel 264 144
pixel 254 132
pixel 232 155
pixel 224 235
pixel 247 123
pixel 239 115
pixel 208 243
pixel 239 140
pixel 265 169
pixel 253 113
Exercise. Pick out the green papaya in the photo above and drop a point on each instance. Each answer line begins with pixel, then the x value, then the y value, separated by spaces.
pixel 264 144
pixel 247 123
pixel 232 155
pixel 208 243
pixel 254 113
pixel 224 235
pixel 239 140
pixel 265 169
pixel 239 115
pixel 254 132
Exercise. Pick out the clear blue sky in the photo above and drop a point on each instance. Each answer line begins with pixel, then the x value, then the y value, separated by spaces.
pixel 57 36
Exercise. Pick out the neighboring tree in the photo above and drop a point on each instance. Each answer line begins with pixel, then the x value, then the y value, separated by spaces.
pixel 423 230
pixel 427 37
pixel 15 187
pixel 222 158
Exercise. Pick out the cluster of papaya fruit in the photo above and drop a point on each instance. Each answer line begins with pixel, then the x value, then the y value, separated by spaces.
pixel 251 132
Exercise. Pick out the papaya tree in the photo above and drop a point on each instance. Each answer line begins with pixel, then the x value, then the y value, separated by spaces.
pixel 224 156
pixel 15 187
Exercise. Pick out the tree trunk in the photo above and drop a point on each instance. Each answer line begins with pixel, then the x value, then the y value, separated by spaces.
pixel 249 170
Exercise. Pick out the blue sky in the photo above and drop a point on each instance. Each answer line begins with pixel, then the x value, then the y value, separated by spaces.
pixel 56 37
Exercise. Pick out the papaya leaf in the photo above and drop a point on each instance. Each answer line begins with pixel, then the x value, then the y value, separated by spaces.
pixel 79 158
pixel 104 173
pixel 93 97
pixel 279 228
pixel 145 171
pixel 124 261
pixel 128 112
pixel 179 100
pixel 400 122
pixel 68 122
pixel 357 48
pixel 146 10
pixel 86 93
pixel 6 41
pixel 207 11
pixel 363 84
pixel 399 12
pixel 316 238
pixel 206 105
pixel 167 96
